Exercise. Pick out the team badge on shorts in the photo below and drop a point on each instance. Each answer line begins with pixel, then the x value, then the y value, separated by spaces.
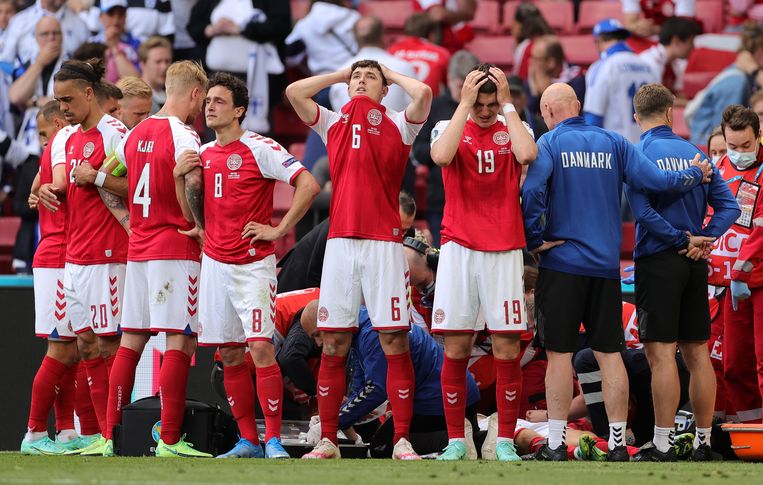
pixel 375 117
pixel 439 316
pixel 234 162
pixel 500 138
pixel 88 149
pixel 323 314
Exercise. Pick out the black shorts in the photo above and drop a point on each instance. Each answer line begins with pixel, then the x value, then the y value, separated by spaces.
pixel 563 301
pixel 671 298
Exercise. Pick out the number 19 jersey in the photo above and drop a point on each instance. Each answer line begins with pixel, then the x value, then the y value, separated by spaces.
pixel 149 152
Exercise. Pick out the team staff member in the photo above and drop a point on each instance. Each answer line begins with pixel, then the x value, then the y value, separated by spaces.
pixel 671 289
pixel 735 263
pixel 571 203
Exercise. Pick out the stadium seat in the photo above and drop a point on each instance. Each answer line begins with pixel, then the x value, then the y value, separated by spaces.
pixel 299 9
pixel 9 226
pixel 591 12
pixel 680 127
pixel 629 240
pixel 282 195
pixel 508 15
pixel 495 50
pixel 710 14
pixel 298 150
pixel 486 18
pixel 559 16
pixel 703 65
pixel 392 13
pixel 579 49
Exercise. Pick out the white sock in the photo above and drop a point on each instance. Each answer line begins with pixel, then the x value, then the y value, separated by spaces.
pixel 66 435
pixel 462 440
pixel 702 437
pixel 557 430
pixel 663 438
pixel 616 434
pixel 501 439
pixel 31 436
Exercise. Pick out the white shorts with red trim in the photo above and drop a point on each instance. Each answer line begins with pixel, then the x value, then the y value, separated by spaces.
pixel 475 284
pixel 360 269
pixel 162 296
pixel 238 302
pixel 50 317
pixel 94 297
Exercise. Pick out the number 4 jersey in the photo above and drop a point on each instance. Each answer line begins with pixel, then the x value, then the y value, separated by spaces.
pixel 149 152
pixel 482 210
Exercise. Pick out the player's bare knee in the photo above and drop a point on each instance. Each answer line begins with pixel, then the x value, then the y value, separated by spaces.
pixel 135 341
pixel 696 356
pixel 183 343
pixel 506 346
pixel 458 346
pixel 87 345
pixel 263 353
pixel 232 356
pixel 394 343
pixel 336 343
pixel 660 354
pixel 63 351
pixel 107 346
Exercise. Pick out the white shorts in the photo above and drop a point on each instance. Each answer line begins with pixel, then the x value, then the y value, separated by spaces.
pixel 474 284
pixel 357 269
pixel 162 296
pixel 50 317
pixel 94 297
pixel 238 302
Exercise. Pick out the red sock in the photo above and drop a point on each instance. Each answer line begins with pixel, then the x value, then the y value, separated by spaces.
pixel 508 395
pixel 240 390
pixel 454 395
pixel 121 380
pixel 250 363
pixel 400 387
pixel 64 404
pixel 44 392
pixel 173 380
pixel 83 405
pixel 331 387
pixel 109 361
pixel 537 443
pixel 98 378
pixel 270 394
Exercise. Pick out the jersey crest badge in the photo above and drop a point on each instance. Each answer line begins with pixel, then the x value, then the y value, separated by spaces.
pixel 323 314
pixel 88 149
pixel 439 316
pixel 500 138
pixel 375 117
pixel 234 162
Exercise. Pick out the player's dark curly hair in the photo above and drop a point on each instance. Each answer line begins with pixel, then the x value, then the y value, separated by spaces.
pixel 489 87
pixel 89 72
pixel 236 86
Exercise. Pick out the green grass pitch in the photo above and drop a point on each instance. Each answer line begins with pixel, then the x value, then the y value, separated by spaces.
pixel 75 470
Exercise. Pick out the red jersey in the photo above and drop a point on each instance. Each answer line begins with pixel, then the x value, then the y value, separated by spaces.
pixel 430 61
pixel 455 36
pixel 94 235
pixel 238 188
pixel 52 248
pixel 482 210
pixel 368 147
pixel 659 10
pixel 743 242
pixel 149 152
pixel 288 305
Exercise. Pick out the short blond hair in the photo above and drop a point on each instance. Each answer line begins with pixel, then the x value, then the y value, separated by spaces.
pixel 152 43
pixel 134 87
pixel 182 76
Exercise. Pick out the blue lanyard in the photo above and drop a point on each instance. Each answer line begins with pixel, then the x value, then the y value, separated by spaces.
pixel 740 177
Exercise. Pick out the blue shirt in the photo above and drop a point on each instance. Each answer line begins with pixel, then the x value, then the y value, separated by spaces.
pixel 369 379
pixel 573 190
pixel 662 219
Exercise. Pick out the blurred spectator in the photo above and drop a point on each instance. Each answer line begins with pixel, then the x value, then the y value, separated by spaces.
pixel 443 107
pixel 528 25
pixel 733 85
pixel 108 96
pixel 33 81
pixel 451 18
pixel 121 46
pixel 613 80
pixel 519 100
pixel 26 238
pixel 20 45
pixel 668 58
pixel 136 102
pixel 430 61
pixel 644 17
pixel 145 18
pixel 369 35
pixel 184 47
pixel 246 38
pixel 756 104
pixel 155 56
pixel 548 66
pixel 7 10
pixel 716 144
pixel 741 11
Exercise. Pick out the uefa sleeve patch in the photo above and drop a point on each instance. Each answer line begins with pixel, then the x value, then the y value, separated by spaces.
pixel 288 163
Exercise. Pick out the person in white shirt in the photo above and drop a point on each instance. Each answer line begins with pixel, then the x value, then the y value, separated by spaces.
pixel 369 35
pixel 7 11
pixel 644 18
pixel 668 58
pixel 20 45
pixel 145 18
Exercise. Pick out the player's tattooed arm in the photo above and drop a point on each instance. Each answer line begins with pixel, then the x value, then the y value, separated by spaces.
pixel 188 162
pixel 194 194
pixel 117 207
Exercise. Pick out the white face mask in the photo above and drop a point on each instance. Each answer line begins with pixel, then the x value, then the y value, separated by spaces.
pixel 742 160
pixel 715 159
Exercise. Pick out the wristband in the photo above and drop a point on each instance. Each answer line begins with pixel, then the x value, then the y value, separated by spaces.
pixel 100 178
pixel 509 108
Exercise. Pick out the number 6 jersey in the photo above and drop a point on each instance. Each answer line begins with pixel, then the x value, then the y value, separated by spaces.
pixel 482 210
pixel 149 152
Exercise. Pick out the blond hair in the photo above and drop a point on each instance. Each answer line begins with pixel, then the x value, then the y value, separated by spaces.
pixel 152 43
pixel 134 87
pixel 183 76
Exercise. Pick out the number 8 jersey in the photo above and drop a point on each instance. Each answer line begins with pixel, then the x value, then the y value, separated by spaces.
pixel 482 210
pixel 149 152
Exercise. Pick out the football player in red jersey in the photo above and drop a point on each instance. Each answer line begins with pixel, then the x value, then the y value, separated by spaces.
pixel 96 246
pixel 234 205
pixel 482 150
pixel 162 286
pixel 368 147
